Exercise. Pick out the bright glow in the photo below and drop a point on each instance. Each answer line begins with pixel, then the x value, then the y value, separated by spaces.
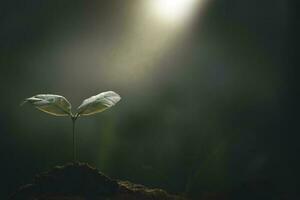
pixel 130 57
pixel 173 11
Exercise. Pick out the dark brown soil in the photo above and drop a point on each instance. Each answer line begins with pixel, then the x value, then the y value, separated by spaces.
pixel 79 181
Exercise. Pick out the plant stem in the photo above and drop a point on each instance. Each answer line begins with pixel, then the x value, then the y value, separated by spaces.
pixel 74 139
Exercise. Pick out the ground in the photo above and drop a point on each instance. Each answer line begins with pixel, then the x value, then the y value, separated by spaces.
pixel 79 181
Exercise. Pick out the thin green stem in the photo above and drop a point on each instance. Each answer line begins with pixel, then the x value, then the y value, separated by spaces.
pixel 74 139
pixel 74 144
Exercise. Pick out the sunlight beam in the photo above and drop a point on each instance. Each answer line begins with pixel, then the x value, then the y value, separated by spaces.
pixel 173 11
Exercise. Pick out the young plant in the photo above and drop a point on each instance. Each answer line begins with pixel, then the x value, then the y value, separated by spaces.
pixel 59 106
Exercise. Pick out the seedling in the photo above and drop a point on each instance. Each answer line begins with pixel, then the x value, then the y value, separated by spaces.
pixel 59 106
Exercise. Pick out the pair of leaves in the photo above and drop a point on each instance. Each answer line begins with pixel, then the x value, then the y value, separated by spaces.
pixel 59 106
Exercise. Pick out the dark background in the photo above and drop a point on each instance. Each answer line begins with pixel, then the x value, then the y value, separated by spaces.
pixel 206 111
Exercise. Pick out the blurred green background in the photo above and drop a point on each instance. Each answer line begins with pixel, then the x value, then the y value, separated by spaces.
pixel 207 104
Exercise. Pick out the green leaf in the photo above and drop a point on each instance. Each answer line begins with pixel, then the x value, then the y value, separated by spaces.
pixel 98 103
pixel 50 103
